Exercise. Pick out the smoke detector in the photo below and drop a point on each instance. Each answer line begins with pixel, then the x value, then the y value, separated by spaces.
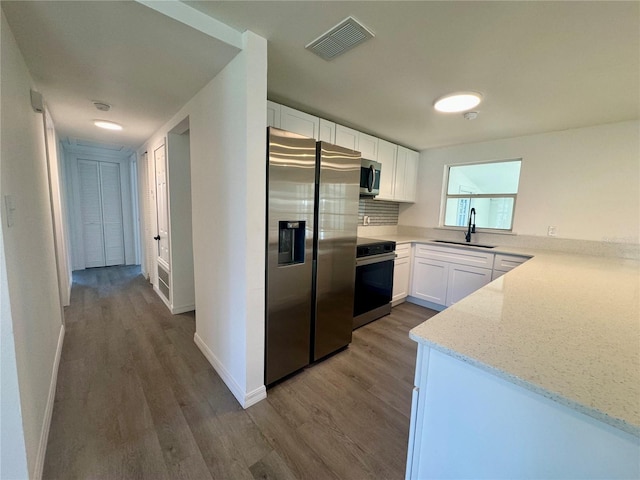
pixel 470 115
pixel 103 107
pixel 336 41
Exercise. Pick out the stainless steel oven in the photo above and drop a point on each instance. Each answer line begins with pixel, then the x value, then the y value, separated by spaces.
pixel 374 280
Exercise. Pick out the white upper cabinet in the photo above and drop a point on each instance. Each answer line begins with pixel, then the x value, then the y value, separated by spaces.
pixel 368 146
pixel 387 157
pixel 399 164
pixel 299 122
pixel 273 114
pixel 327 131
pixel 406 175
pixel 347 137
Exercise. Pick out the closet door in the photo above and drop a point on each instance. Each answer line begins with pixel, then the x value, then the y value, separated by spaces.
pixel 91 213
pixel 101 213
pixel 112 213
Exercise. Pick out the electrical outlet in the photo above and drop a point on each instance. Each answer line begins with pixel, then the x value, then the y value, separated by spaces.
pixel 551 231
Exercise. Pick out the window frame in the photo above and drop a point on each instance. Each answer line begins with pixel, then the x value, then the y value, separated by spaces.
pixel 446 196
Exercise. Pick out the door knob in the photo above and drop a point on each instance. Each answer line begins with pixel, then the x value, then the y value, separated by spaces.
pixel 157 237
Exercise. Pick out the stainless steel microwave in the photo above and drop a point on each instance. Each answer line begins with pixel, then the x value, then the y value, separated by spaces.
pixel 370 178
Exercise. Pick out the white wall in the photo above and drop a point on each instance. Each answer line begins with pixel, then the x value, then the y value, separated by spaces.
pixel 72 155
pixel 585 181
pixel 32 282
pixel 227 121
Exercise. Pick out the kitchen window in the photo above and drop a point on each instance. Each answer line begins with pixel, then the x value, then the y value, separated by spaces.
pixel 491 188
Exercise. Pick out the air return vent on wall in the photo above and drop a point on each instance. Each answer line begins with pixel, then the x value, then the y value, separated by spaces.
pixel 344 36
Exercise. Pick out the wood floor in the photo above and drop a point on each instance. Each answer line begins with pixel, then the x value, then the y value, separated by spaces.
pixel 136 398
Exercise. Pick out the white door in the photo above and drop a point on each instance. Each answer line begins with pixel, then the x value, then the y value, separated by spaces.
pixel 91 213
pixel 101 213
pixel 112 213
pixel 162 207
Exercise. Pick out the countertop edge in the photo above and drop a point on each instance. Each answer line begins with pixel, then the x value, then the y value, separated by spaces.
pixel 555 396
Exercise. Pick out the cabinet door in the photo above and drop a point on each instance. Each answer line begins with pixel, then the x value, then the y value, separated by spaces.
pixel 411 176
pixel 430 280
pixel 368 146
pixel 327 131
pixel 347 137
pixel 273 114
pixel 401 273
pixel 465 280
pixel 387 157
pixel 406 175
pixel 299 122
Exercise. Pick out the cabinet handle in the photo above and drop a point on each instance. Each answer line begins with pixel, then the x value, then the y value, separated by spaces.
pixel 157 237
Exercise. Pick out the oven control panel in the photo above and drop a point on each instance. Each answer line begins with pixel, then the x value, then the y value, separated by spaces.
pixel 377 248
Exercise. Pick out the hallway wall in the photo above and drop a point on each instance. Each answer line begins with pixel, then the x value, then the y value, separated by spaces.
pixel 227 121
pixel 33 321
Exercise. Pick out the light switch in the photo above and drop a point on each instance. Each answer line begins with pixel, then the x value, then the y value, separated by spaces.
pixel 10 206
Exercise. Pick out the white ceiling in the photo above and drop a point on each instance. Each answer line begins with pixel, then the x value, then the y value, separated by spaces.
pixel 541 66
pixel 143 63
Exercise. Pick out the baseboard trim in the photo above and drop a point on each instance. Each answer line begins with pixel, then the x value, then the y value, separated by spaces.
pixel 183 309
pixel 244 399
pixel 426 304
pixel 48 412
pixel 164 300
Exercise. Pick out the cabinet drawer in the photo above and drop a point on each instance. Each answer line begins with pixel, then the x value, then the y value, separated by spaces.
pixel 455 255
pixel 505 263
pixel 403 250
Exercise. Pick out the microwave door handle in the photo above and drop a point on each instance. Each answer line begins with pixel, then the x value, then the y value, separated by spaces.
pixel 372 178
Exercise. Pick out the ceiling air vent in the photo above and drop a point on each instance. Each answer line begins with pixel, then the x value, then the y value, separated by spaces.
pixel 344 36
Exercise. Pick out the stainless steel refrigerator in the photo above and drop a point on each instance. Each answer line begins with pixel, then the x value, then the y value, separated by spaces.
pixel 312 217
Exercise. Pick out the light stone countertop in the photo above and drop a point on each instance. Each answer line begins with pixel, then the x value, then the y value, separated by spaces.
pixel 562 325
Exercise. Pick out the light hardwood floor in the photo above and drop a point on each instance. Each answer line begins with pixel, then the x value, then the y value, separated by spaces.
pixel 136 398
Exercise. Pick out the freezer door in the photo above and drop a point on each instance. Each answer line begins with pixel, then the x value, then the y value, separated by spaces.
pixel 337 194
pixel 290 201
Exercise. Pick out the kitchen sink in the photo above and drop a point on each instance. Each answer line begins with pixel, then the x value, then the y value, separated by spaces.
pixel 466 244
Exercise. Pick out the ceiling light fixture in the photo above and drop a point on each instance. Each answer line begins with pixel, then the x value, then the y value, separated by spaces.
pixel 457 102
pixel 107 125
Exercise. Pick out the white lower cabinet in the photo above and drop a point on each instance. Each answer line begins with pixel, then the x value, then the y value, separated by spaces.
pixel 443 276
pixel 401 273
pixel 464 280
pixel 505 263
pixel 502 430
pixel 430 278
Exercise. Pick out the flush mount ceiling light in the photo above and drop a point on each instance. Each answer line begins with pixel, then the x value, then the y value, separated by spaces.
pixel 107 125
pixel 457 102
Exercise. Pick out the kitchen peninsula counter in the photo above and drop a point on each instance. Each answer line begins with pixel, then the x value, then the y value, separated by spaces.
pixel 533 374
pixel 564 326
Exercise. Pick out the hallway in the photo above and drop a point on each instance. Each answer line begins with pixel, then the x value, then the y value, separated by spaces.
pixel 136 399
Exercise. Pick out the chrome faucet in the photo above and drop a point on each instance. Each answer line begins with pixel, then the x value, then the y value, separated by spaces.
pixel 472 227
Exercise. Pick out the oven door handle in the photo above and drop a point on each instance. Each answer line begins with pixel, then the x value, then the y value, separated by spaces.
pixel 385 257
